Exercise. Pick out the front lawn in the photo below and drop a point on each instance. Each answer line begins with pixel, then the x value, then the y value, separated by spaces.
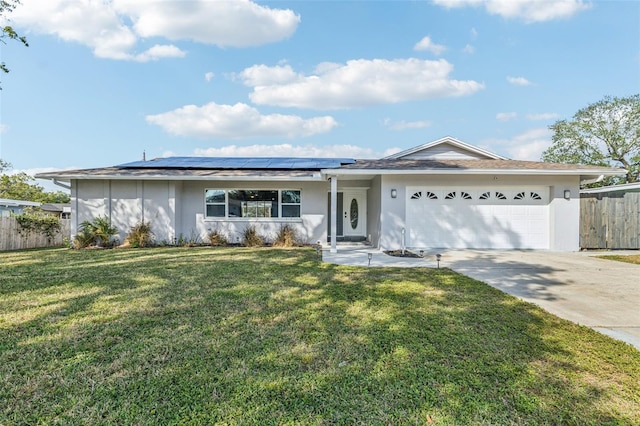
pixel 267 336
pixel 633 258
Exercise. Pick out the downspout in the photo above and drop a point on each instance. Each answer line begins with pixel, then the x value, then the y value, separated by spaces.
pixel 590 181
pixel 61 184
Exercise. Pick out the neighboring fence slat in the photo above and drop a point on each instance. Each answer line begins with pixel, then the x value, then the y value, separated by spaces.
pixel 610 221
pixel 10 238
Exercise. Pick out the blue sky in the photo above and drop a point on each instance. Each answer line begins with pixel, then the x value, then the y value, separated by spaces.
pixel 103 81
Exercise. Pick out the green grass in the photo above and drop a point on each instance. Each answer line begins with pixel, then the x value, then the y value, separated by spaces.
pixel 633 258
pixel 236 336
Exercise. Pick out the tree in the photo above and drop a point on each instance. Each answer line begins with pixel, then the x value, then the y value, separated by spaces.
pixel 6 7
pixel 4 165
pixel 606 133
pixel 19 187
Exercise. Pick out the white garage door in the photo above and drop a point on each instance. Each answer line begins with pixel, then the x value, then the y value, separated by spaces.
pixel 478 218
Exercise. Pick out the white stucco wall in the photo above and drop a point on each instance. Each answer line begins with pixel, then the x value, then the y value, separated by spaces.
pixel 126 203
pixel 89 199
pixel 563 214
pixel 177 208
pixel 311 226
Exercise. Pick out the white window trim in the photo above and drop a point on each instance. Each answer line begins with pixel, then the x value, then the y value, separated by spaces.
pixel 226 217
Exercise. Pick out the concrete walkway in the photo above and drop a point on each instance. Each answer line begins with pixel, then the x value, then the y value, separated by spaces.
pixel 601 294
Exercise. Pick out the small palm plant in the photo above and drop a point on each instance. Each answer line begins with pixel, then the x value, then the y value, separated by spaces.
pixel 104 231
pixel 99 232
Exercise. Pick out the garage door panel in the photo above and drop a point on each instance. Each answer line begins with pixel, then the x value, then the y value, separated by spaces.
pixel 500 220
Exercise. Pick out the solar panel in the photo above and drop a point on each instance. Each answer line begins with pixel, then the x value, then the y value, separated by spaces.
pixel 280 163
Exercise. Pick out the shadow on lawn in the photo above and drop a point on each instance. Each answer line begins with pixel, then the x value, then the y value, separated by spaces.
pixel 272 336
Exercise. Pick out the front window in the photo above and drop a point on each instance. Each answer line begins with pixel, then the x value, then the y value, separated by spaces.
pixel 236 203
pixel 215 203
pixel 290 203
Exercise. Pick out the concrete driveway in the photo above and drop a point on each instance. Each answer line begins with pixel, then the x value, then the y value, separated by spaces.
pixel 601 294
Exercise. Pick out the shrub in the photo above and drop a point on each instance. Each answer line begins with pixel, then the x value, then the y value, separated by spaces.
pixel 83 239
pixel 100 232
pixel 252 238
pixel 104 231
pixel 217 238
pixel 140 235
pixel 287 236
pixel 192 240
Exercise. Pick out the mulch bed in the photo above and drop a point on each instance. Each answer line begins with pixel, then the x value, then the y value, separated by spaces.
pixel 398 253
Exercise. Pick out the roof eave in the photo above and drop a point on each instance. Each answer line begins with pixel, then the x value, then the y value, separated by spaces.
pixel 548 172
pixel 314 177
pixel 612 188
pixel 450 140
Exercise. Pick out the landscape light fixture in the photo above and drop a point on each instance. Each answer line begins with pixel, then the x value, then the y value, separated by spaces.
pixel 394 193
pixel 438 257
pixel 318 249
pixel 369 256
pixel 567 194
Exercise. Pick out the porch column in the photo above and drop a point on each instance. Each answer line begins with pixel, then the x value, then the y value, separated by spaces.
pixel 334 214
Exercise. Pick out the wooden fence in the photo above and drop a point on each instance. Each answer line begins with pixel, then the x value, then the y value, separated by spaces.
pixel 10 238
pixel 610 220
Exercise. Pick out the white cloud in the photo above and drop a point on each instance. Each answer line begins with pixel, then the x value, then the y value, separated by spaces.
pixel 263 75
pixel 542 116
pixel 506 116
pixel 209 76
pixel 427 44
pixel 527 10
pixel 158 52
pixel 3 128
pixel 357 83
pixel 518 81
pixel 526 146
pixel 288 150
pixel 237 121
pixel 404 125
pixel 114 28
pixel 239 23
pixel 468 49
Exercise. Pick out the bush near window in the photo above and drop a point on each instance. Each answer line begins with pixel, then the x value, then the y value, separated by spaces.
pixel 287 236
pixel 252 238
pixel 217 238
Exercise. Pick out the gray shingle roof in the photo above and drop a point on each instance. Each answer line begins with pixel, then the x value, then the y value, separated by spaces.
pixel 391 164
pixel 397 166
